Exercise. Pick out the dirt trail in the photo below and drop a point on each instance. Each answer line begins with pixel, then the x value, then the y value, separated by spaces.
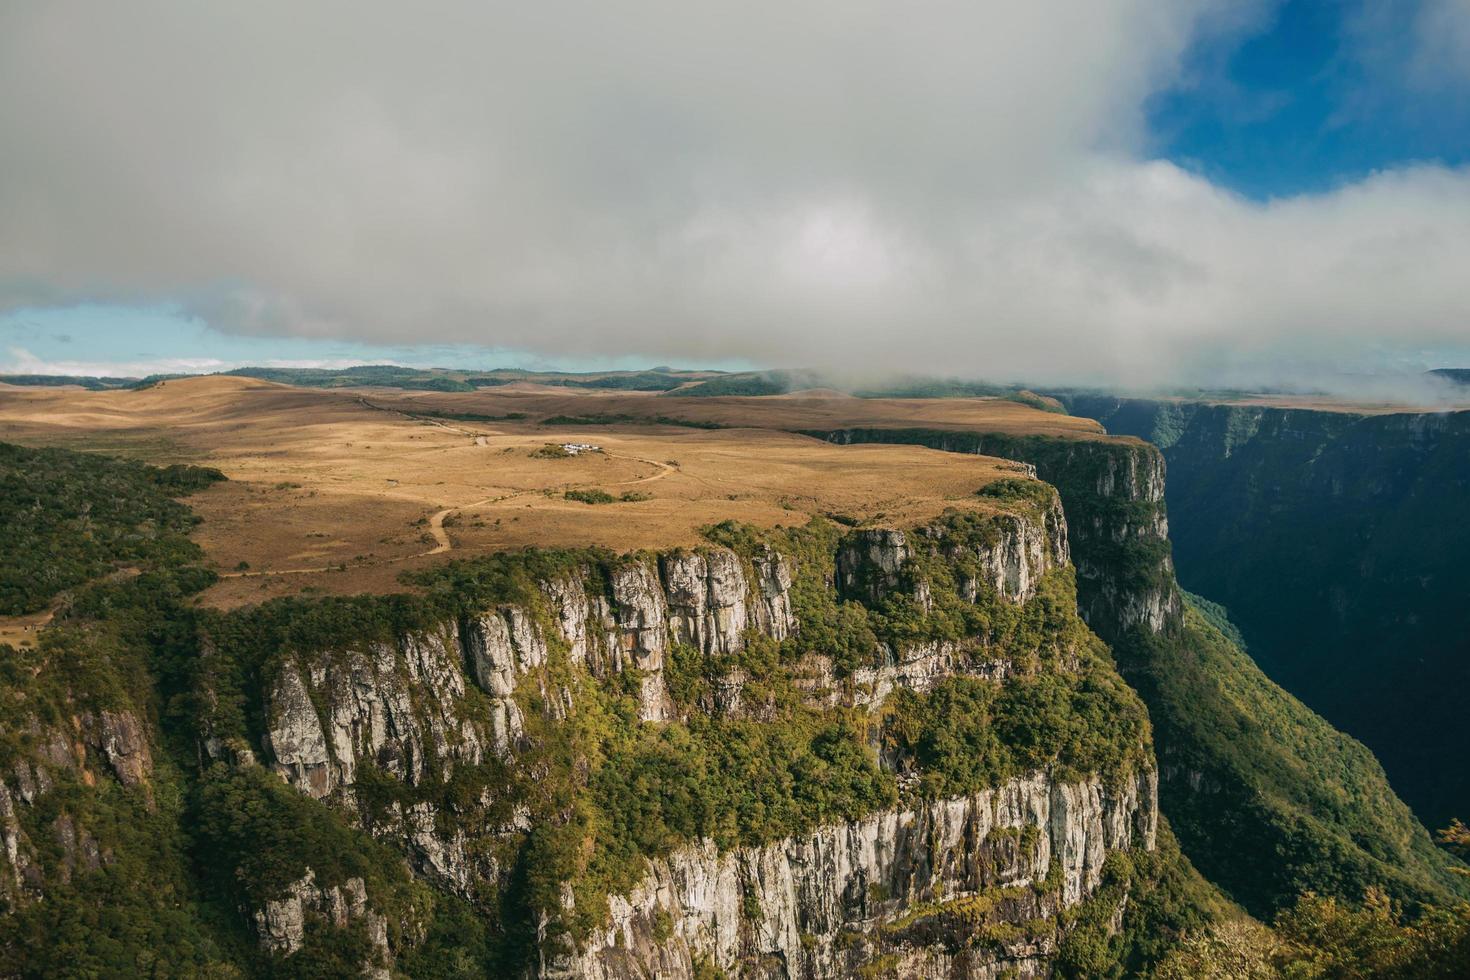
pixel 442 541
pixel 664 469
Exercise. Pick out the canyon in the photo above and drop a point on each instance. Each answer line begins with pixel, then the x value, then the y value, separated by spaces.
pixel 980 734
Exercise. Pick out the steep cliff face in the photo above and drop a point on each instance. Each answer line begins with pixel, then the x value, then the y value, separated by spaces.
pixel 791 752
pixel 1370 509
pixel 1112 492
pixel 1252 780
pixel 961 885
pixel 282 922
pixel 987 875
pixel 39 844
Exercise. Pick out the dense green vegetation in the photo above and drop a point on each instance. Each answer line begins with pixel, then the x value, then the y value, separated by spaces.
pixel 183 854
pixel 1284 803
pixel 781 382
pixel 969 734
pixel 594 496
pixel 70 517
pixel 1325 939
pixel 590 496
pixel 54 380
pixel 1309 808
pixel 380 375
pixel 1338 543
pixel 930 388
pixel 752 383
pixel 473 416
pixel 654 380
pixel 736 782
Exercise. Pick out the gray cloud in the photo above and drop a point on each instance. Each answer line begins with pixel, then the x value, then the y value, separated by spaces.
pixel 938 186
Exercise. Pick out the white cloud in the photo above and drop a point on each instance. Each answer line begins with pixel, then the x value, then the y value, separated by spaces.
pixel 1442 36
pixel 933 186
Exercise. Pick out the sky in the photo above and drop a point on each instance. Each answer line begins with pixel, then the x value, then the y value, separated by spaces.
pixel 1111 191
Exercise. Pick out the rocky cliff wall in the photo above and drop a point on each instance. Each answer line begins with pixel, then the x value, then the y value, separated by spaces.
pixel 475 695
pixel 36 841
pixel 1255 823
pixel 1112 492
pixel 1005 862
pixel 1370 511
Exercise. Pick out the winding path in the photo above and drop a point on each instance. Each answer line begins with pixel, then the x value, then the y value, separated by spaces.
pixel 442 541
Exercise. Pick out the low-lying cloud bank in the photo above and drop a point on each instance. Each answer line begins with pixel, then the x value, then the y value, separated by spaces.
pixel 932 187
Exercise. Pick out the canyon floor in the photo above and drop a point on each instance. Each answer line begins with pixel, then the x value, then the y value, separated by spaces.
pixel 340 491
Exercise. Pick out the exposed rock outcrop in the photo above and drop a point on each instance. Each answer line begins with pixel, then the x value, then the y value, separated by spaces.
pixel 1113 495
pixel 817 906
pixel 281 923
pixel 501 647
pixel 586 622
pixel 95 746
pixel 14 848
pixel 870 563
pixel 772 613
pixel 124 743
pixel 642 618
pixel 849 894
pixel 294 739
pixel 707 596
pixel 1023 552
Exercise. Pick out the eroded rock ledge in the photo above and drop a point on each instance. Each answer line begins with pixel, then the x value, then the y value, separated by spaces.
pixel 855 893
pixel 888 888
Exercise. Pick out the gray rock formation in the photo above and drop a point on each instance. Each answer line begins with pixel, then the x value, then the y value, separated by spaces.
pixel 870 563
pixel 294 739
pixel 772 613
pixel 501 647
pixel 1021 554
pixel 642 619
pixel 816 906
pixel 14 848
pixel 281 924
pixel 125 745
pixel 845 895
pixel 707 600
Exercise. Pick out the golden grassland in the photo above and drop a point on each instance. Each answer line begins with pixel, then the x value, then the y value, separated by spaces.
pixel 342 490
pixel 1327 403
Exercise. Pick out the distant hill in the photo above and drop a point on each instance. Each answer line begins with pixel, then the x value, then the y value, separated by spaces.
pixel 393 376
pixel 56 380
pixel 662 379
pixel 754 383
pixel 784 382
pixel 441 379
pixel 1460 376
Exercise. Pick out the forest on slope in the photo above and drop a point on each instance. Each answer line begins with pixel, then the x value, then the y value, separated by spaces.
pixel 152 873
pixel 1337 542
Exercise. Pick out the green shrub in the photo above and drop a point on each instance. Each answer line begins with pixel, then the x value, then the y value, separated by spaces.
pixel 590 496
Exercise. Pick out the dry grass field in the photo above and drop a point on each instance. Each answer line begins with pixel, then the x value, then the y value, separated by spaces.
pixel 341 490
pixel 1326 403
pixel 816 409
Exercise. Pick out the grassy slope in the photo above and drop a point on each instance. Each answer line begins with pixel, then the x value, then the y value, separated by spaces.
pixel 183 853
pixel 1293 804
pixel 1266 797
